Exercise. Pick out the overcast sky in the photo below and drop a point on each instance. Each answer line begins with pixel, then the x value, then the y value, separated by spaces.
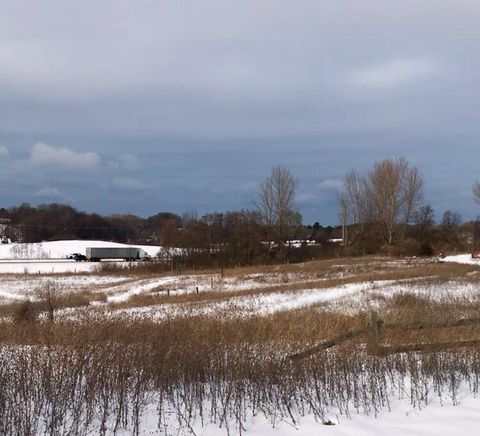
pixel 145 106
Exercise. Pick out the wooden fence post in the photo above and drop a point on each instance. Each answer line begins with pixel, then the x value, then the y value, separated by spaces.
pixel 373 328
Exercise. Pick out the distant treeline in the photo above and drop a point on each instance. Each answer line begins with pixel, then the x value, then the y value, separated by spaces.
pixel 231 238
pixel 48 222
pixel 382 212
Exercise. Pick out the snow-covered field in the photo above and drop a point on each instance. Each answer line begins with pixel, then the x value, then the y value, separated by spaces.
pixel 26 269
pixel 51 257
pixel 441 417
pixel 60 249
pixel 45 267
pixel 350 297
pixel 19 288
pixel 465 259
pixel 249 294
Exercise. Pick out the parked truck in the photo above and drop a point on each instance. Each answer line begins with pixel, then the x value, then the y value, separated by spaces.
pixel 119 253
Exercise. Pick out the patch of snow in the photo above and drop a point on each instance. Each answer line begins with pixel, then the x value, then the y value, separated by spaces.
pixel 352 297
pixel 261 304
pixel 60 249
pixel 440 417
pixel 45 267
pixel 15 288
pixel 462 258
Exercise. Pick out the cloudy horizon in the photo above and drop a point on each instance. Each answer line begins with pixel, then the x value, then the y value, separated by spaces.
pixel 175 106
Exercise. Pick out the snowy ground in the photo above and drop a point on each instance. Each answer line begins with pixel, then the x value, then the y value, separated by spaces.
pixel 254 294
pixel 18 288
pixel 45 267
pixel 60 249
pixel 441 417
pixel 436 419
pixel 465 259
pixel 243 295
pixel 351 297
pixel 50 257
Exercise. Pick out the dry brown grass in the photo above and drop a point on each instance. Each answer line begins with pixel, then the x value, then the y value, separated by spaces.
pixel 21 310
pixel 423 273
pixel 294 329
pixel 95 374
pixel 110 369
pixel 70 373
pixel 353 264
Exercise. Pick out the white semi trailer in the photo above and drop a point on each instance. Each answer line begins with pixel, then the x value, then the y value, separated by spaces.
pixel 96 254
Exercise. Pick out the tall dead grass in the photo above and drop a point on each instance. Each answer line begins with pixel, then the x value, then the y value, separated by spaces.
pixel 97 375
pixel 426 273
pixel 100 376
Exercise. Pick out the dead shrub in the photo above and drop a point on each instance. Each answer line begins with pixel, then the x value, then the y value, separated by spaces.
pixel 406 247
pixel 48 295
pixel 99 377
pixel 96 375
pixel 25 312
pixel 144 300
pixel 74 299
pixel 409 300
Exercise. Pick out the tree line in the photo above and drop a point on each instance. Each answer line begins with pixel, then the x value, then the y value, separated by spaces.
pixel 383 210
pixel 47 222
pixel 380 211
pixel 261 235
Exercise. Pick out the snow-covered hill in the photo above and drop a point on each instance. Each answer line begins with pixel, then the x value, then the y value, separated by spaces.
pixel 60 249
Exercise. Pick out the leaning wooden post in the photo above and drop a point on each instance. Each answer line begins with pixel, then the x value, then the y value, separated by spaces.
pixel 220 282
pixel 373 328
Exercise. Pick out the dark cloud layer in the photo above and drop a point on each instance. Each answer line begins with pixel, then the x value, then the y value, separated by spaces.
pixel 159 105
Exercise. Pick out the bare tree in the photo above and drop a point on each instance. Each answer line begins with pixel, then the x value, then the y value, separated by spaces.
pixel 48 298
pixel 168 226
pixel 395 190
pixel 276 200
pixel 387 196
pixel 451 219
pixel 412 194
pixel 344 216
pixel 424 217
pixel 353 201
pixel 476 191
pixel 383 187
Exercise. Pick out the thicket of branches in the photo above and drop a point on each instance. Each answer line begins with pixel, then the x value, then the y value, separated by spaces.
pixel 101 377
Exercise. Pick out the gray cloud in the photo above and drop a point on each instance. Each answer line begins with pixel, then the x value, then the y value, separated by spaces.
pixel 197 102
pixel 394 73
pixel 125 161
pixel 46 155
pixel 4 151
pixel 331 185
pixel 128 184
pixel 48 193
